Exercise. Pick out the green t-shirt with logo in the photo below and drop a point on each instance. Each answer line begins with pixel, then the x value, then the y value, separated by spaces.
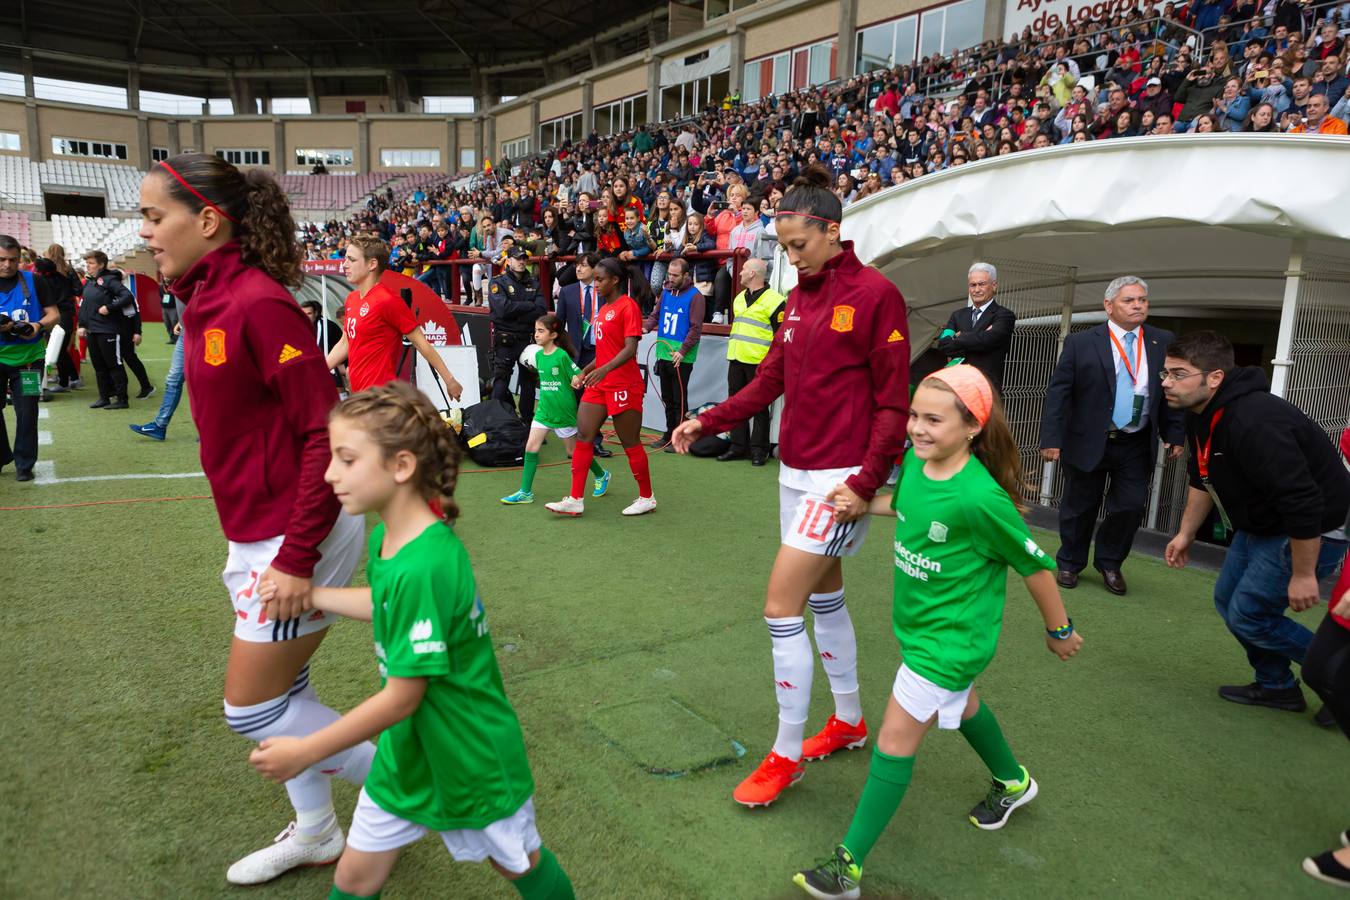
pixel 557 406
pixel 954 542
pixel 459 760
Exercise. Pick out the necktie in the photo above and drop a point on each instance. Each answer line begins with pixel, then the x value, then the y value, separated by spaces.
pixel 588 312
pixel 974 318
pixel 1123 413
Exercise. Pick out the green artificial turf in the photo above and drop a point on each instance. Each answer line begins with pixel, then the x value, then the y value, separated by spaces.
pixel 635 653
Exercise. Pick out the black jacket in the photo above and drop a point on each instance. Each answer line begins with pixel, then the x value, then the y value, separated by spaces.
pixel 1082 390
pixel 515 304
pixel 1274 469
pixel 107 289
pixel 985 347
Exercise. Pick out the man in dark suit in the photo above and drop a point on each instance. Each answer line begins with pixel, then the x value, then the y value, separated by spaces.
pixel 980 333
pixel 577 303
pixel 1104 413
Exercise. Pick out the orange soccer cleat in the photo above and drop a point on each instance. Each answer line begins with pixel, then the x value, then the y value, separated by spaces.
pixel 774 775
pixel 836 735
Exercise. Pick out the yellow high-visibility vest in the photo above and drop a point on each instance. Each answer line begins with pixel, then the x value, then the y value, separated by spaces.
pixel 751 330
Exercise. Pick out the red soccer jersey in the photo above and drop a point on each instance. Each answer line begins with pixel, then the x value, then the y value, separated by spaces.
pixel 375 326
pixel 614 324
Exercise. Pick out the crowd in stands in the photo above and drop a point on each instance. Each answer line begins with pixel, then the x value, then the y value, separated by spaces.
pixel 713 182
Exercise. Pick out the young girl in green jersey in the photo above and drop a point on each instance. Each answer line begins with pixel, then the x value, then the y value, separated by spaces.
pixel 450 756
pixel 557 409
pixel 959 529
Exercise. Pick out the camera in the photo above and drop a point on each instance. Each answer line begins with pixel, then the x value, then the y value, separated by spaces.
pixel 21 330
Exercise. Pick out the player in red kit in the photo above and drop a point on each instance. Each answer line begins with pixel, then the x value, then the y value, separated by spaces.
pixel 840 360
pixel 375 322
pixel 613 389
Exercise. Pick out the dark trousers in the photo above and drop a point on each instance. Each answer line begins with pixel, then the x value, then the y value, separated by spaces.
pixel 65 366
pixel 1326 669
pixel 743 437
pixel 133 361
pixel 105 352
pixel 25 449
pixel 170 314
pixel 721 298
pixel 674 390
pixel 506 350
pixel 1126 461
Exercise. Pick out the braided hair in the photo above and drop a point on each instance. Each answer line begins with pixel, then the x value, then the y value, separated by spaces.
pixel 399 417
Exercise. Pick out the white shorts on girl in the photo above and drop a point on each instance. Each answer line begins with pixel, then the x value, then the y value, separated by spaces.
pixel 340 555
pixel 921 699
pixel 508 842
pixel 806 520
pixel 567 431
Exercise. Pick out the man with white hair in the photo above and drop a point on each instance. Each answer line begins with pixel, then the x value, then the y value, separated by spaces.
pixel 757 311
pixel 1104 413
pixel 981 332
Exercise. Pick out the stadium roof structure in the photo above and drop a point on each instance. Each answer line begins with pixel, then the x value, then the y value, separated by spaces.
pixel 438 46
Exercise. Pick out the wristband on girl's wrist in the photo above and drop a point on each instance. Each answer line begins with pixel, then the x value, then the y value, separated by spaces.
pixel 1061 634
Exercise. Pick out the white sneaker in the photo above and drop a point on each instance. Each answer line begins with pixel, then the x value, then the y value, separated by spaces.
pixel 719 318
pixel 640 506
pixel 567 506
pixel 288 851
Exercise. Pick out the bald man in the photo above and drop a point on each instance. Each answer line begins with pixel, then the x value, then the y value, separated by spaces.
pixel 757 311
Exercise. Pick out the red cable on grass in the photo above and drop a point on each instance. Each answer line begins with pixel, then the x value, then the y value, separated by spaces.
pixel 103 503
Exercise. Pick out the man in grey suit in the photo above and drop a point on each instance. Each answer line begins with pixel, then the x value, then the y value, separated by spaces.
pixel 1104 413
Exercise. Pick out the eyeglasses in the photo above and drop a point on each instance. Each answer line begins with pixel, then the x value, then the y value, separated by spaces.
pixel 1167 375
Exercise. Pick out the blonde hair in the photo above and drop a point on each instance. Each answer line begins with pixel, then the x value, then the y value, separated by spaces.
pixel 372 247
pixel 399 417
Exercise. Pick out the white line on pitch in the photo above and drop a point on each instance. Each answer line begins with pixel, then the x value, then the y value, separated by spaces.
pixel 48 476
pixel 44 438
pixel 43 412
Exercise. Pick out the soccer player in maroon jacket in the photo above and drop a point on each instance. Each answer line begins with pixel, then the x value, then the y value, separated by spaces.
pixel 260 398
pixel 840 361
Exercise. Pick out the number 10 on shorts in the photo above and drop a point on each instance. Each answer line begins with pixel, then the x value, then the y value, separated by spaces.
pixel 817 520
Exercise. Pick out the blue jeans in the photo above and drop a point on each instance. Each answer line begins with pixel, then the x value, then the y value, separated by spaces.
pixel 1251 597
pixel 173 386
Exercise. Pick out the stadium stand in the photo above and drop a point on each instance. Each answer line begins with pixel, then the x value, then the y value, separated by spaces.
pixel 19 181
pixel 80 234
pixel 15 224
pixel 121 184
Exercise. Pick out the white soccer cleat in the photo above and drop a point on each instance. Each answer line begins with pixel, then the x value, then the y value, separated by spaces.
pixel 640 506
pixel 288 851
pixel 567 506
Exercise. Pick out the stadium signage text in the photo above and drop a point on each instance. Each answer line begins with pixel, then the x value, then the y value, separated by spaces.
pixel 1047 15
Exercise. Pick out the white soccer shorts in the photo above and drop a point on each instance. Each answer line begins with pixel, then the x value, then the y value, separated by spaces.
pixel 567 431
pixel 508 842
pixel 341 554
pixel 806 520
pixel 921 699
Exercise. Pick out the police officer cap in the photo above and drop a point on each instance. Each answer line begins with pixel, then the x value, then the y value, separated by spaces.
pixel 518 253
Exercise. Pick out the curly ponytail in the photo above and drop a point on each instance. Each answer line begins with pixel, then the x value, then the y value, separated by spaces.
pixel 399 417
pixel 255 206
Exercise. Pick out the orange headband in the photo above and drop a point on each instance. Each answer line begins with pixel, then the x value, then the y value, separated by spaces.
pixel 969 384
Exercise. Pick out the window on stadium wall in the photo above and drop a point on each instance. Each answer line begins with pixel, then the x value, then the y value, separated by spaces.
pixel 556 132
pixel 888 44
pixel 692 97
pixel 621 115
pixel 950 28
pixel 791 70
pixel 418 158
pixel 325 157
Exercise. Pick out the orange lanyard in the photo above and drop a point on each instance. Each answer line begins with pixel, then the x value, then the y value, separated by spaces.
pixel 1202 453
pixel 1138 356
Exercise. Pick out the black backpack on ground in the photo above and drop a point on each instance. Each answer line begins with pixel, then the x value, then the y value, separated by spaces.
pixel 493 434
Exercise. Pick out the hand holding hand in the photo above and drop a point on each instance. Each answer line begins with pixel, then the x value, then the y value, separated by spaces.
pixel 577 381
pixel 279 759
pixel 848 506
pixel 293 595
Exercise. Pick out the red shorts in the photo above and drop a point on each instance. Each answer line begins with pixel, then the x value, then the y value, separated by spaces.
pixel 615 400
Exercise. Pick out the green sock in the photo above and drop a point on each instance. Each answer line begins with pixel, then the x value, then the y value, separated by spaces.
pixel 527 473
pixel 983 734
pixel 546 881
pixel 596 469
pixel 887 781
pixel 338 894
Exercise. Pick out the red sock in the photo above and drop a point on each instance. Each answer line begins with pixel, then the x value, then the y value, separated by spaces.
pixel 642 472
pixel 582 454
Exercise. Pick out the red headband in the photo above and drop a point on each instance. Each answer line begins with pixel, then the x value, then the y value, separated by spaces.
pixel 196 193
pixel 792 212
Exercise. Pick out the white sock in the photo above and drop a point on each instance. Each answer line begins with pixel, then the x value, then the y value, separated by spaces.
pixel 838 649
pixel 311 791
pixel 792 670
pixel 354 765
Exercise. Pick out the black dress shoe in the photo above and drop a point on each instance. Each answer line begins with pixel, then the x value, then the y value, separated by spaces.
pixel 661 443
pixel 731 455
pixel 759 458
pixel 603 453
pixel 119 403
pixel 1115 582
pixel 1323 718
pixel 99 403
pixel 24 475
pixel 1066 579
pixel 1253 694
pixel 146 391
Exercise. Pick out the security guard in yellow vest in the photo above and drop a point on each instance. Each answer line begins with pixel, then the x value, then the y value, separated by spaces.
pixel 758 311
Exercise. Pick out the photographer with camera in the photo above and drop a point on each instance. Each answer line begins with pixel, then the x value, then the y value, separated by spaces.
pixel 27 311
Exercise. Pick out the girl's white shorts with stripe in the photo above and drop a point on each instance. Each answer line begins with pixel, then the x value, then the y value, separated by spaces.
pixel 806 520
pixel 340 555
pixel 508 842
pixel 567 431
pixel 921 699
